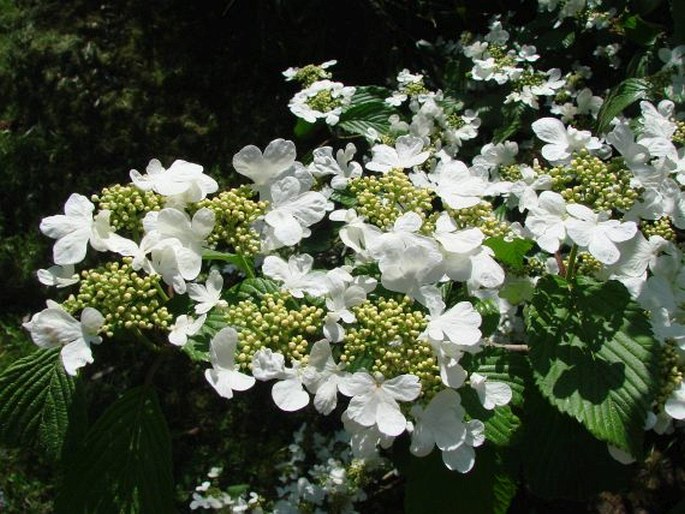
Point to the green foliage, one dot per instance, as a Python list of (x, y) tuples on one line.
[(124, 465), (430, 487), (563, 460), (593, 357), (620, 97), (38, 401), (243, 263), (511, 253), (367, 110)]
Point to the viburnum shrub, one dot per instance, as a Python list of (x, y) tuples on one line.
[(491, 273)]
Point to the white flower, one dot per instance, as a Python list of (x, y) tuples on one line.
[(183, 327), (322, 376), (224, 375), (442, 424), (54, 327), (209, 295), (562, 141), (288, 393), (406, 154), (264, 169), (342, 167), (356, 234), (458, 325), (176, 243), (76, 228), (675, 404), (546, 221), (490, 394), (183, 181), (296, 274), (374, 400), (292, 211), (492, 156), (290, 73), (343, 292), (597, 233), (457, 186), (588, 103), (324, 99), (59, 276)]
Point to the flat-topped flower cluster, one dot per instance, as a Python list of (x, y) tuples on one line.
[(379, 326)]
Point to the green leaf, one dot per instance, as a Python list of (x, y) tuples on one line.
[(501, 424), (490, 315), (303, 129), (431, 487), (244, 264), (344, 197), (625, 94), (197, 346), (37, 402), (124, 465), (367, 110), (511, 253), (593, 356), (641, 31), (500, 365), (561, 459), (511, 122), (252, 288)]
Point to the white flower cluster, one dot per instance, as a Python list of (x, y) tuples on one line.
[(390, 319), (335, 481)]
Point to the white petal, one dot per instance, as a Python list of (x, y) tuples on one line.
[(75, 355), (289, 395)]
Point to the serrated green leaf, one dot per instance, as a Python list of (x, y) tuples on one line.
[(431, 487), (510, 253), (367, 110), (625, 94), (36, 402), (252, 288), (561, 459), (593, 357), (500, 365), (124, 465), (501, 424)]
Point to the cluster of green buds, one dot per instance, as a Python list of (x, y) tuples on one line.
[(662, 227), (586, 264), (679, 134), (128, 206), (382, 199), (311, 73), (235, 213), (501, 56), (274, 321), (670, 372), (385, 339), (482, 216), (125, 298), (600, 185), (324, 101), (529, 78)]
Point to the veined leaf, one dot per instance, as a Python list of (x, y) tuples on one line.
[(124, 465), (367, 110), (626, 93), (37, 401), (498, 365), (593, 357)]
